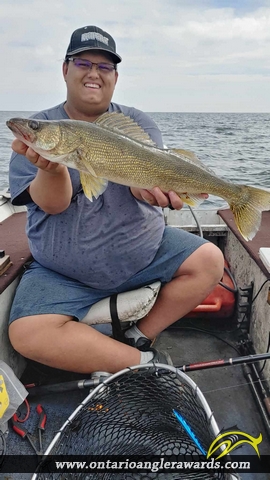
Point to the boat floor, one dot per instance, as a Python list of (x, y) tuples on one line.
[(225, 388)]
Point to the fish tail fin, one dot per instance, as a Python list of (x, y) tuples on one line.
[(248, 211)]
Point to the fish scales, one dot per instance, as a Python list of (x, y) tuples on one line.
[(124, 161)]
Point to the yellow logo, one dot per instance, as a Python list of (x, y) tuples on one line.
[(232, 440)]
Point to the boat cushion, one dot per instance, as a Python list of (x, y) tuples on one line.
[(131, 306)]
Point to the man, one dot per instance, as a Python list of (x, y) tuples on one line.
[(86, 251)]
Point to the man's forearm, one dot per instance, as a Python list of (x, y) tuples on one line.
[(52, 191)]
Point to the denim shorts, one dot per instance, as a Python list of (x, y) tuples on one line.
[(44, 291)]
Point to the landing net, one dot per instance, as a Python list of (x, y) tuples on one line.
[(132, 414)]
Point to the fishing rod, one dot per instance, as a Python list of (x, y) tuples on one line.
[(38, 389), (264, 406), (224, 363)]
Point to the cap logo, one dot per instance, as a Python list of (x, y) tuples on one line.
[(94, 36)]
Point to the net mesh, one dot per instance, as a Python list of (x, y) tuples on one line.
[(133, 415)]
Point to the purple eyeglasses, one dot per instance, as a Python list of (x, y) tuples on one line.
[(87, 65)]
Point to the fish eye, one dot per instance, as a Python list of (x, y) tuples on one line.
[(33, 124)]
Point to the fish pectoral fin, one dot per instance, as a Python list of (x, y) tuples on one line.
[(93, 186), (192, 200), (119, 123), (82, 162)]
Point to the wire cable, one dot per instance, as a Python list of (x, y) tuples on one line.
[(212, 334), (233, 290), (196, 220), (260, 289), (267, 350)]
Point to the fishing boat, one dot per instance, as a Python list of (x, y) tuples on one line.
[(221, 346)]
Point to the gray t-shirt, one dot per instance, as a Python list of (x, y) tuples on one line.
[(101, 243)]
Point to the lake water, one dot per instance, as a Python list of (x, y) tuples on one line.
[(235, 145)]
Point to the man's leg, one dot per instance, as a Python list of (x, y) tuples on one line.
[(192, 283), (60, 342), (42, 326)]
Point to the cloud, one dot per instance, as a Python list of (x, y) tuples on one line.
[(175, 53)]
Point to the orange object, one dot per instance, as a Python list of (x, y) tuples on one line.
[(220, 303)]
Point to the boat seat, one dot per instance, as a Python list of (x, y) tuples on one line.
[(14, 242), (127, 306)]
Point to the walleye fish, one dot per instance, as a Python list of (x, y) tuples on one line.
[(115, 148)]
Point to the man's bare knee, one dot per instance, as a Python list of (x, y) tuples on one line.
[(213, 261), (27, 334), (207, 261)]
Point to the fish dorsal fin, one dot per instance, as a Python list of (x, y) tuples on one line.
[(191, 157), (120, 123), (187, 154)]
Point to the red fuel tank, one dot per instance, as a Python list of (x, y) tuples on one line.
[(220, 303)]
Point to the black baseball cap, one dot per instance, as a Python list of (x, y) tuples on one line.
[(92, 38)]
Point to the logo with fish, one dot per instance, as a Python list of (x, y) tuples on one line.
[(225, 441), (231, 440)]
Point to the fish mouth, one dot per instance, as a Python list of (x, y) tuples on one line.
[(20, 131)]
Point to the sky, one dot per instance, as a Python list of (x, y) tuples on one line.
[(178, 55)]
